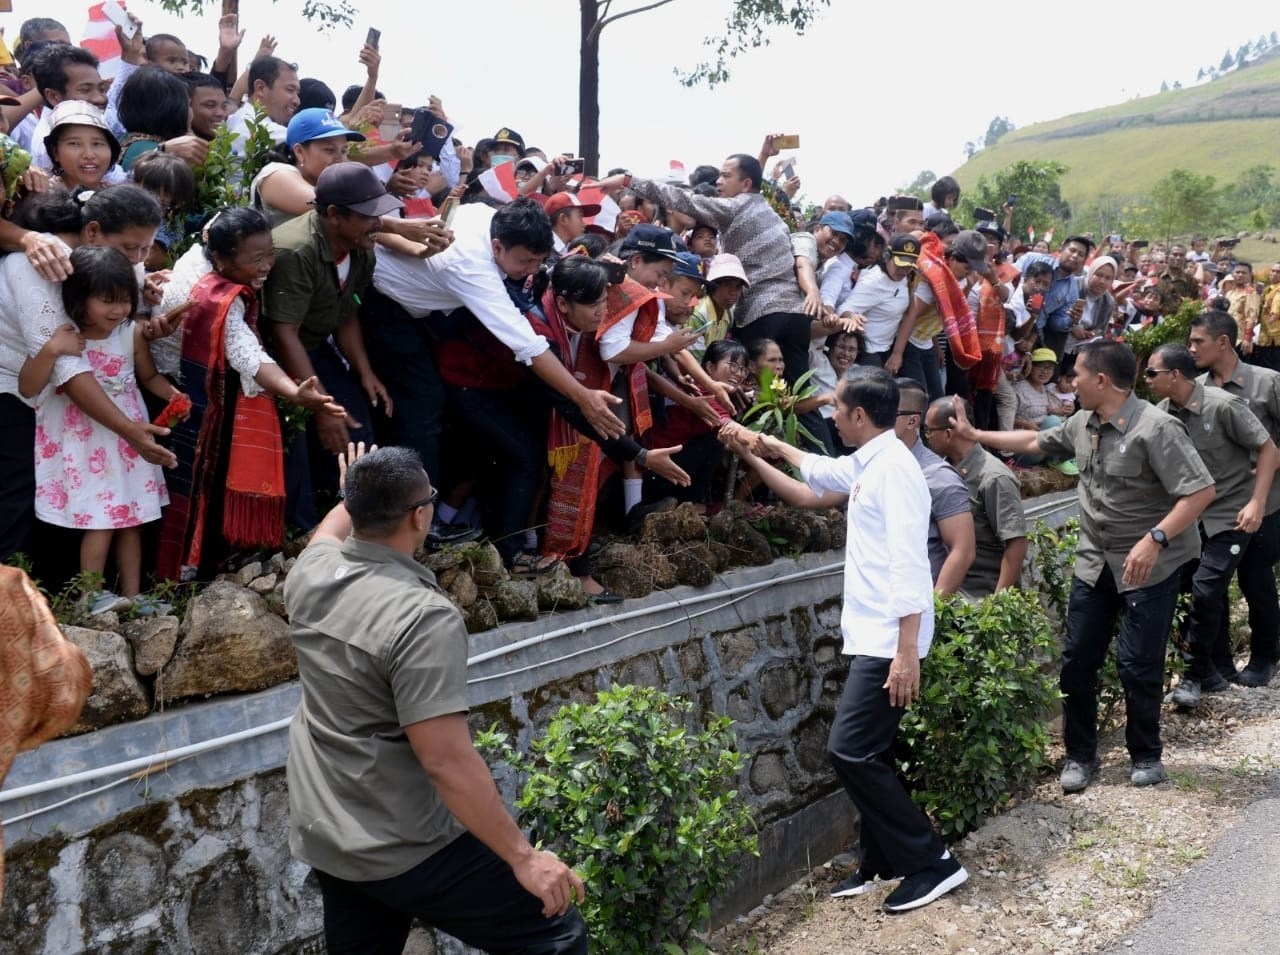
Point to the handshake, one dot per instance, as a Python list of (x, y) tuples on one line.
[(746, 443)]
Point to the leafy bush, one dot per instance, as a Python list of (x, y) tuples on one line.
[(977, 735), (642, 803)]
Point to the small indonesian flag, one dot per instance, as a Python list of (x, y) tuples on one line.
[(1031, 233), (607, 217), (100, 40), (500, 182), (1048, 236), (676, 174)]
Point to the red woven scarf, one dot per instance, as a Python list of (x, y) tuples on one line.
[(952, 305)]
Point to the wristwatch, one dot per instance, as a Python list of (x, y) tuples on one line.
[(1159, 536)]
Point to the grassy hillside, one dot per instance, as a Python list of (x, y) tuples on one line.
[(1220, 128)]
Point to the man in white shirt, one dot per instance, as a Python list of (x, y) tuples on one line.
[(490, 249), (273, 85), (887, 624)]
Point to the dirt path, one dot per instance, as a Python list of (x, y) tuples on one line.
[(1056, 873)]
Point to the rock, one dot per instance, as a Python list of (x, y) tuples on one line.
[(462, 588), (246, 574), (792, 526), (721, 525), (559, 590), (747, 546), (621, 568), (441, 560), (693, 563), (231, 642), (1045, 480), (445, 578), (263, 585), (153, 641), (116, 695), (276, 564), (288, 564), (683, 523), (838, 526), (481, 616), (660, 570), (819, 531), (103, 621), (484, 562), (721, 554), (514, 599)]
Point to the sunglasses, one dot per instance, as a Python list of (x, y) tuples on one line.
[(1151, 373), (426, 501)]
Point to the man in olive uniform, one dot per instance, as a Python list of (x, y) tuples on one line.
[(1212, 342), (995, 497), (1228, 437), (1178, 285), (1266, 352), (1142, 489)]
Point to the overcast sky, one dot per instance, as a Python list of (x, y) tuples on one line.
[(877, 92)]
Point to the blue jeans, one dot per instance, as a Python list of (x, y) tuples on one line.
[(1145, 616)]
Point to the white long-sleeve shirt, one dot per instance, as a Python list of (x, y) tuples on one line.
[(462, 276), (886, 567)]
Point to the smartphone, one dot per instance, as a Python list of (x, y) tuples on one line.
[(1012, 200), (699, 329), (572, 167), (390, 128), (447, 210), (1139, 243), (788, 171), (790, 141), (373, 38), (117, 15)]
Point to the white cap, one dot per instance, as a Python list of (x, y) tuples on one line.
[(726, 266)]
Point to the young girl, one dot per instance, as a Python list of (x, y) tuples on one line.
[(86, 476)]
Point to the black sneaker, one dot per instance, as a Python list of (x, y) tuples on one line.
[(859, 883), (1187, 693), (1215, 682), (442, 534), (927, 885), (1257, 673)]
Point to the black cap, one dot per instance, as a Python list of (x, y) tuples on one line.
[(651, 239), (904, 250), (354, 186), (508, 135), (897, 203)]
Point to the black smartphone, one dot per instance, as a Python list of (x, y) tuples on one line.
[(1012, 200), (571, 168), (374, 37), (1139, 243)]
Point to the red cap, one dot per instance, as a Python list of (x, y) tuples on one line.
[(567, 200)]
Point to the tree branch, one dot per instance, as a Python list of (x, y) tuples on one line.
[(601, 24)]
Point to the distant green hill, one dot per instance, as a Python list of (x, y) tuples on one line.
[(1220, 128)]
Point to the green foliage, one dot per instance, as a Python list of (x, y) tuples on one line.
[(920, 186), (996, 130), (1182, 202), (1174, 328), (978, 734), (747, 29), (70, 605), (325, 15), (223, 179), (774, 411), (1052, 557), (1040, 204), (642, 802)]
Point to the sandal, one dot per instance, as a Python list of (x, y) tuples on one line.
[(527, 564)]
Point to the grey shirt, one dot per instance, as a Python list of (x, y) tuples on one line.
[(1227, 435), (995, 497), (947, 496), (1261, 388), (1133, 469), (751, 230), (379, 648)]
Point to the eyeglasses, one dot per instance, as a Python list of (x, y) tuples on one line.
[(908, 414), (426, 501), (926, 430), (1151, 373)]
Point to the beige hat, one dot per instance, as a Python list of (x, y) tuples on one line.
[(726, 266), (76, 112)]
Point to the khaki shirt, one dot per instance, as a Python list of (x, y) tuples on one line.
[(1133, 469), (1181, 287), (1261, 388), (303, 288), (1227, 435), (379, 648), (995, 497)]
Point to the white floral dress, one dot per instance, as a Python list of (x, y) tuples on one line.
[(87, 476)]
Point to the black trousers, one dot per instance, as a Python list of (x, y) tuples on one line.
[(897, 837), (1208, 580), (1257, 577), (464, 890), (1145, 615), (17, 474)]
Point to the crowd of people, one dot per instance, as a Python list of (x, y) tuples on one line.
[(179, 385)]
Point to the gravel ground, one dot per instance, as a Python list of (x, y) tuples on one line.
[(1055, 873)]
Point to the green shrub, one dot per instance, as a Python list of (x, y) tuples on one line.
[(642, 803), (977, 735)]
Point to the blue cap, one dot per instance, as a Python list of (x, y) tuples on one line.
[(688, 265), (652, 239), (840, 222), (308, 125)]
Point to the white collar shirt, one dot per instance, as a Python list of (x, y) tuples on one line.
[(886, 568)]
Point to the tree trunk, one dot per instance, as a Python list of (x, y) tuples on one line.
[(589, 88), (230, 7)]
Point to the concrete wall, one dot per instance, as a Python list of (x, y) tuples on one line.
[(169, 834)]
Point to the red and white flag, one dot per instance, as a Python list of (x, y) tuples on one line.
[(500, 182), (1031, 234), (607, 217), (100, 40), (1048, 236), (676, 174)]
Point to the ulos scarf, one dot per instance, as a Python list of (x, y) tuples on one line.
[(952, 305)]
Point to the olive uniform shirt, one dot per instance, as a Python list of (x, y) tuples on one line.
[(379, 648), (1133, 469), (303, 287), (995, 497), (1260, 387), (1178, 289), (947, 496), (1227, 435)]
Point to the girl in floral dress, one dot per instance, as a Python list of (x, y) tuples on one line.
[(87, 476)]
